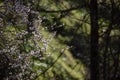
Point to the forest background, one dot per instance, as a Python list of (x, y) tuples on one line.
[(59, 40)]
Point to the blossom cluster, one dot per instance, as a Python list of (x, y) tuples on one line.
[(22, 49)]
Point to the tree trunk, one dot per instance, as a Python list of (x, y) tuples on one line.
[(94, 66)]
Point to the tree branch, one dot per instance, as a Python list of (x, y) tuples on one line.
[(51, 64), (59, 11)]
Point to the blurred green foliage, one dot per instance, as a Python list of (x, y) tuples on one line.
[(67, 54)]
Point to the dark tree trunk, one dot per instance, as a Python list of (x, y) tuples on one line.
[(94, 66)]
